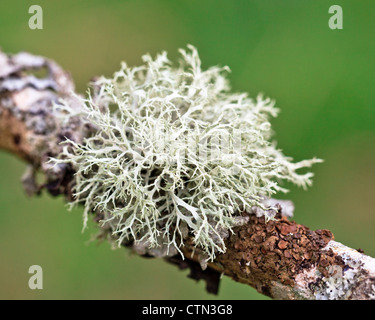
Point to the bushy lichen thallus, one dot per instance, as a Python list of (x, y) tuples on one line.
[(176, 154)]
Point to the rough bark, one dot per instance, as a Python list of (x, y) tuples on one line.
[(281, 259)]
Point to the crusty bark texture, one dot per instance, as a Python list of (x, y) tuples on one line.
[(280, 258)]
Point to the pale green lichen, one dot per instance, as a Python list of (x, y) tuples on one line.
[(176, 153)]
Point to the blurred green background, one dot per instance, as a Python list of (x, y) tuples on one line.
[(322, 80)]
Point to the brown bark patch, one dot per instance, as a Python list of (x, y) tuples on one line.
[(261, 252)]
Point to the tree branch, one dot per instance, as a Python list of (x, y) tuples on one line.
[(281, 259)]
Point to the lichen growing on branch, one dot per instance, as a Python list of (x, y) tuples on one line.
[(176, 153)]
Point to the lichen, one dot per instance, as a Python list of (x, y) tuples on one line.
[(176, 154), (341, 282)]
